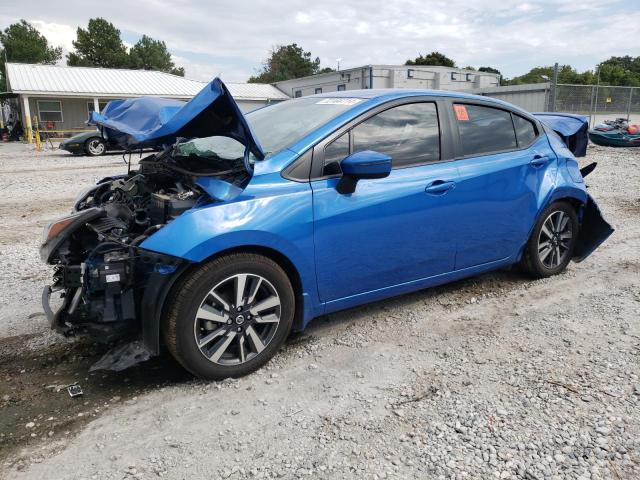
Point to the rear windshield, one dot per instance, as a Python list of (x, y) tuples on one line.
[(275, 127)]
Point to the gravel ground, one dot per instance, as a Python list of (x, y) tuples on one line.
[(496, 376)]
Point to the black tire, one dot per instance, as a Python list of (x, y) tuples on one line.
[(95, 146), (180, 324), (532, 260)]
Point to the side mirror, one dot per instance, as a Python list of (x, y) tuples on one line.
[(362, 165)]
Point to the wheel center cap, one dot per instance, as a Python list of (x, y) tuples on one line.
[(240, 319)]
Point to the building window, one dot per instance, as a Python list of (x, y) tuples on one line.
[(342, 87), (298, 94), (410, 73), (469, 77), (50, 110), (318, 90), (101, 106)]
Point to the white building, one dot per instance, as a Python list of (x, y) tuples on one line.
[(390, 76), (62, 97)]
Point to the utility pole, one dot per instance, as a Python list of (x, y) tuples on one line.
[(555, 87), (595, 104)]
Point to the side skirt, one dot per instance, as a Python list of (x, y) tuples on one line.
[(414, 285)]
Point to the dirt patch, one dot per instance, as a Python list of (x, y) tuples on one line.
[(35, 405)]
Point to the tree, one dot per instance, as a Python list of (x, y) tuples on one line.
[(286, 62), (490, 70), (21, 42), (99, 46), (150, 54), (623, 71), (566, 74), (434, 59)]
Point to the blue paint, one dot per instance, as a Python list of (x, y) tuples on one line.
[(417, 227)]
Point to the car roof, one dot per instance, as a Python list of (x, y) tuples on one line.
[(381, 94)]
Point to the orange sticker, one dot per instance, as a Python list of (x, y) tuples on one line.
[(461, 113)]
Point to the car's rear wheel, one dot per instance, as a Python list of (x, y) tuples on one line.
[(229, 317), (552, 243), (95, 147)]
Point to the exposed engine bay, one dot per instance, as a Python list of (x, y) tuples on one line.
[(100, 272)]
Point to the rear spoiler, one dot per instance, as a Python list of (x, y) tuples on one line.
[(573, 129)]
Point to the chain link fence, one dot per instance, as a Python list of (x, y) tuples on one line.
[(598, 102)]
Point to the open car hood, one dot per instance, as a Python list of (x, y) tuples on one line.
[(157, 122), (573, 129)]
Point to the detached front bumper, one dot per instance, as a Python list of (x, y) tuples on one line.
[(52, 317)]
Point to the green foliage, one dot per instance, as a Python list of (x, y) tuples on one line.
[(286, 62), (434, 59), (566, 74), (489, 70), (99, 46), (22, 43), (150, 54), (620, 71)]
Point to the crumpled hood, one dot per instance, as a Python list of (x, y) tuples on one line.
[(572, 128), (156, 122)]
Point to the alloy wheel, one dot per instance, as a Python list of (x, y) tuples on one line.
[(96, 147), (554, 239), (237, 319)]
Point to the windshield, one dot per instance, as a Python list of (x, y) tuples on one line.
[(275, 127)]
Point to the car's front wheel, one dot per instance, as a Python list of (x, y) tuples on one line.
[(95, 147), (230, 316), (552, 243)]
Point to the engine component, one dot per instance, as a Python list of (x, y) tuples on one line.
[(164, 207)]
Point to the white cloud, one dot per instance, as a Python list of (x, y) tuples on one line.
[(303, 18), (234, 38), (58, 34)]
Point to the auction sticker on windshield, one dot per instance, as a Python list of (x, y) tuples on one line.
[(338, 101)]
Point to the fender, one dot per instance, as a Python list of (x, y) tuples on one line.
[(561, 191), (250, 221)]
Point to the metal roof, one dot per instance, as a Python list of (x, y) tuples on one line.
[(255, 91), (55, 80)]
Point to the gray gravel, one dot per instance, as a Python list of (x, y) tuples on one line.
[(492, 377), (36, 187)]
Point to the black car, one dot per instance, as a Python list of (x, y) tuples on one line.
[(87, 143)]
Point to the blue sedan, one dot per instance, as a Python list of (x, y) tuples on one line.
[(244, 228)]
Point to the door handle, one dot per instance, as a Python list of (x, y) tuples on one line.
[(539, 160), (439, 187)]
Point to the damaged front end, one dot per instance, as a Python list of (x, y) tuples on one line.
[(106, 285), (109, 286)]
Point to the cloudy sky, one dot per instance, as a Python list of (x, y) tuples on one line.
[(231, 38)]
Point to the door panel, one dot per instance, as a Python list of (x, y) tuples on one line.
[(499, 199), (387, 232)]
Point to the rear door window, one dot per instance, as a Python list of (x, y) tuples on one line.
[(525, 131), (484, 129)]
